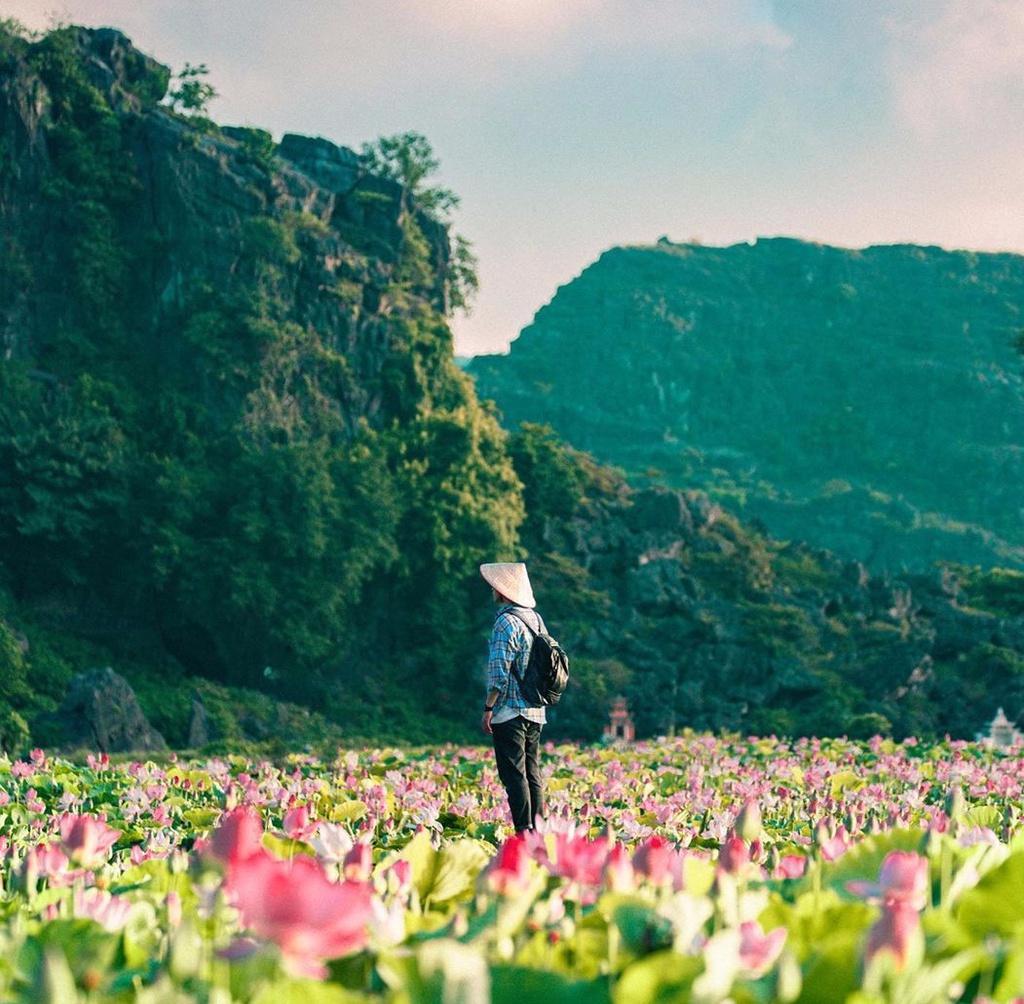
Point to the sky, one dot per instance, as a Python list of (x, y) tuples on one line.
[(568, 127)]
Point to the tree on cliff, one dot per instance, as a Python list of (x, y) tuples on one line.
[(409, 159), (191, 92)]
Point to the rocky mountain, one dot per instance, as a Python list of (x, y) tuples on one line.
[(233, 438), (240, 466), (868, 401), (705, 624), (118, 211)]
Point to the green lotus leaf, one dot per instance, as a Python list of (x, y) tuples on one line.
[(516, 985), (988, 816), (993, 905), (1011, 977), (659, 978), (141, 936), (85, 947), (349, 810), (153, 874), (443, 875), (642, 929), (864, 859), (832, 970), (291, 991), (845, 780), (202, 818), (814, 918), (286, 847)]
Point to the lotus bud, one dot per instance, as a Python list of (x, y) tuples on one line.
[(174, 913), (358, 863), (748, 822), (822, 833), (734, 856)]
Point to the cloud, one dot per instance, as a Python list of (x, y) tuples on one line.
[(960, 72), (538, 24), (510, 25)]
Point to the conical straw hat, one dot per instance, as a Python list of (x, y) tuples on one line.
[(510, 579)]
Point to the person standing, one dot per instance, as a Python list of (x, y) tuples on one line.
[(512, 723)]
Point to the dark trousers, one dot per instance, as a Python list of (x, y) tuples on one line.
[(517, 753)]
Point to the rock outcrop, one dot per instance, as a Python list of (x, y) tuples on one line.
[(724, 629), (185, 216), (101, 713)]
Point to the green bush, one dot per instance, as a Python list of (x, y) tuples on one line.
[(13, 684), (14, 732), (868, 725)]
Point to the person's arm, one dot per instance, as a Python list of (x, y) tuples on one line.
[(489, 701), (499, 664)]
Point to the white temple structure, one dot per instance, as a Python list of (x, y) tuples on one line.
[(1002, 734)]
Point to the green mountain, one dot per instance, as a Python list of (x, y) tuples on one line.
[(232, 432), (870, 402), (240, 466)]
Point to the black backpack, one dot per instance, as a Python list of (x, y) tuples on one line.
[(547, 669)]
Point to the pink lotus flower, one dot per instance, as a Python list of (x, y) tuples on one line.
[(293, 904), (902, 888), (509, 871), (358, 864), (399, 877), (86, 839), (239, 835), (579, 859), (758, 951), (654, 860), (331, 842), (45, 861), (107, 910), (618, 870), (902, 881), (835, 846), (790, 866), (297, 824)]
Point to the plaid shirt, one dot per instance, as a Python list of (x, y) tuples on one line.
[(510, 647)]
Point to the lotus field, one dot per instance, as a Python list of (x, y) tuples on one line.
[(694, 869)]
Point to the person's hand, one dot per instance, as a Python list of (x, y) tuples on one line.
[(485, 723)]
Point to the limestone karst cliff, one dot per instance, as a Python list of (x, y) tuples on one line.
[(118, 213), (230, 418), (869, 401)]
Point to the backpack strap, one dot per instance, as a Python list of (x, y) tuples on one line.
[(533, 634), (539, 629)]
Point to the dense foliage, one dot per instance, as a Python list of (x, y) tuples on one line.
[(236, 453), (212, 475), (702, 869), (703, 621)]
